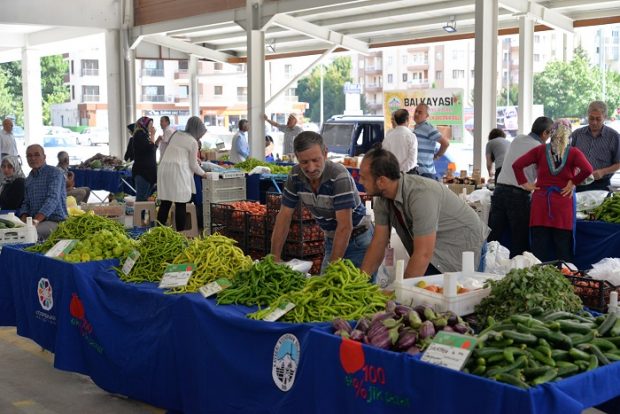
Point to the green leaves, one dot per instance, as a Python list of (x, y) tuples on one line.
[(525, 289)]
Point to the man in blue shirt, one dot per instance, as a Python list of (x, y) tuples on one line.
[(427, 136), (45, 198), (240, 150), (329, 192)]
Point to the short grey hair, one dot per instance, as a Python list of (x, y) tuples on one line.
[(598, 106), (307, 139)]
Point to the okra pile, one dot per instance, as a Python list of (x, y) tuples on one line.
[(261, 284), (530, 349)]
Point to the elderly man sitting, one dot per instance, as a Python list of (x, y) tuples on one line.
[(45, 197)]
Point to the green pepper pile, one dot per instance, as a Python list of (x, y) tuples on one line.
[(157, 247), (343, 291), (251, 163), (609, 210), (531, 349), (262, 284)]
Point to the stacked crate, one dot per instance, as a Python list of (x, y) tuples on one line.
[(305, 240), (247, 228), (230, 187)]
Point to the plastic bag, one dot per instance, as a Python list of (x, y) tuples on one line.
[(496, 258), (588, 200), (483, 195), (607, 269), (260, 170), (299, 265)]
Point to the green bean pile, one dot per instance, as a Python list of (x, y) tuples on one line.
[(157, 247), (78, 228), (214, 256), (343, 291), (262, 284)]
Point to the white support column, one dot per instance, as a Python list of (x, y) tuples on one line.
[(113, 84), (568, 47), (526, 73), (128, 91), (31, 92), (194, 88), (256, 79), (485, 77)]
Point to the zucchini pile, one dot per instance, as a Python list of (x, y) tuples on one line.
[(530, 349)]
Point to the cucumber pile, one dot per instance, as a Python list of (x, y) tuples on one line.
[(530, 349)]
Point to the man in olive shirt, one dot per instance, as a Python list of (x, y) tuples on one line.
[(434, 224)]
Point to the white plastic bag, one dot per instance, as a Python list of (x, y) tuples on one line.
[(588, 200), (496, 258), (299, 265), (607, 269), (260, 170)]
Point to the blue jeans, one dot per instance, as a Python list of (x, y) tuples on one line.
[(355, 250), (144, 189)]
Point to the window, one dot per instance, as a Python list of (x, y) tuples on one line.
[(90, 67), (404, 59), (242, 93), (153, 94), (291, 94), (183, 65), (438, 75), (153, 68), (90, 93), (458, 74), (218, 90), (73, 92), (72, 67), (536, 38), (218, 66), (288, 70), (404, 77), (240, 67), (183, 91), (472, 73), (390, 78), (536, 57), (390, 60)]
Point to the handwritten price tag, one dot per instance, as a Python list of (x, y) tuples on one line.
[(279, 312), (176, 275), (212, 288), (130, 262), (450, 350)]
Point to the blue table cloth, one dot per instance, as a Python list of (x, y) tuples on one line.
[(107, 180), (596, 240)]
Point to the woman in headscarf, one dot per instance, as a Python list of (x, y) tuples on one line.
[(144, 168), (13, 183), (175, 176), (129, 151), (560, 168)]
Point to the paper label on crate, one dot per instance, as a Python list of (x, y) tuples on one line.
[(279, 312), (212, 288), (450, 350), (132, 258), (176, 275), (61, 248)]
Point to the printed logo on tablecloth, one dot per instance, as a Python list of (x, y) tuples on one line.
[(45, 294), (367, 381), (285, 361), (78, 319)]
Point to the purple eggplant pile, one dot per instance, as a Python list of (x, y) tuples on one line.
[(401, 328)]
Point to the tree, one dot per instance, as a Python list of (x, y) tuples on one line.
[(7, 105), (566, 88), (334, 77), (512, 99)]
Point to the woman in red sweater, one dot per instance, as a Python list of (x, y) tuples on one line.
[(552, 218)]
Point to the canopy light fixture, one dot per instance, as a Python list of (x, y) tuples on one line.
[(450, 25)]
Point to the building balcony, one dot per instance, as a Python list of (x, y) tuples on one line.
[(374, 105), (90, 72), (157, 98), (152, 72), (291, 99), (90, 98), (416, 66), (373, 87), (417, 49), (374, 69), (418, 84), (181, 74), (181, 99)]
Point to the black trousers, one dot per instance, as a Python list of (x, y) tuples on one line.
[(602, 184), (179, 214), (510, 210), (550, 244)]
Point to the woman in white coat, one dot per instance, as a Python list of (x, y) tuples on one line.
[(175, 175)]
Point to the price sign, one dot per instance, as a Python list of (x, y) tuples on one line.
[(130, 262), (279, 312), (212, 288), (450, 350), (176, 275), (61, 248)]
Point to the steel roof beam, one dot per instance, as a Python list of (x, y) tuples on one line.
[(540, 14), (188, 48)]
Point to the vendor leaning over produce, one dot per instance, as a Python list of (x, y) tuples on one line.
[(434, 224), (45, 198), (329, 192)]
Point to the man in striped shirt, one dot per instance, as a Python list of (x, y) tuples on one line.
[(427, 136), (329, 192), (601, 146)]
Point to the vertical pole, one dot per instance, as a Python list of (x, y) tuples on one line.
[(256, 78), (194, 87), (31, 92), (526, 70)]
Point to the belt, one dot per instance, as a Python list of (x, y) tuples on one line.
[(358, 231)]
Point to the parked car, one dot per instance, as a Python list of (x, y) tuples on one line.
[(19, 134), (58, 131), (93, 136), (53, 144), (352, 135)]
